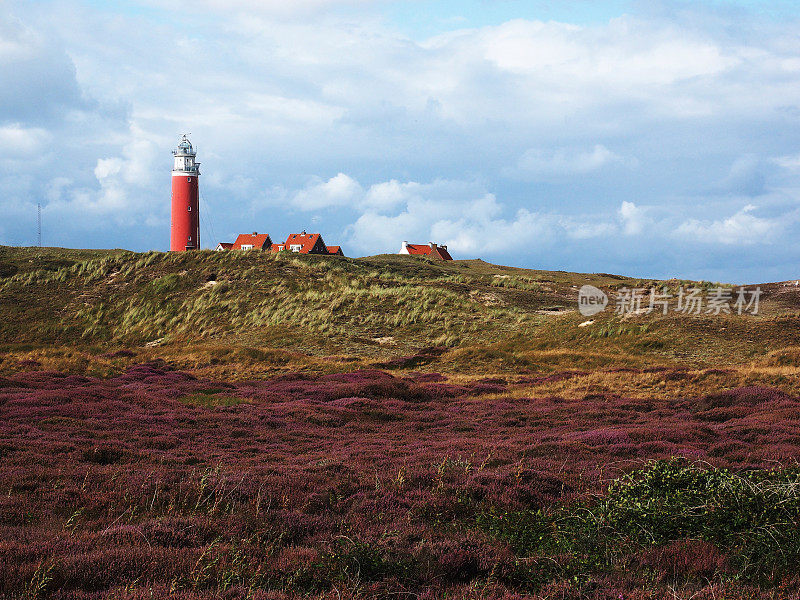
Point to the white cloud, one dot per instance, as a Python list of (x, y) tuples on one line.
[(389, 194), (107, 167), (633, 218), (122, 185), (630, 66), (791, 162), (743, 227), (17, 141), (472, 221), (55, 188), (270, 7), (340, 190), (745, 177), (37, 74), (588, 229), (477, 225), (474, 236), (626, 52), (459, 214), (543, 162)]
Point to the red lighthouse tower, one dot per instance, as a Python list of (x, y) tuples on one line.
[(185, 230)]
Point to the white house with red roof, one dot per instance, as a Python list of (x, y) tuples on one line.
[(252, 241), (302, 243), (307, 243), (429, 250)]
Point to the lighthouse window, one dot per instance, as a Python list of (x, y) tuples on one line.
[(190, 209), (188, 179)]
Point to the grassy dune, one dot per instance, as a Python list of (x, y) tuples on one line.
[(253, 314)]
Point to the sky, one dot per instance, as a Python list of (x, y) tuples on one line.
[(653, 139)]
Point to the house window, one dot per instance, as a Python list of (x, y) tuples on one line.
[(247, 246), (295, 247)]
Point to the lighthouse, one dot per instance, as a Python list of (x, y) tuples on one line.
[(185, 229)]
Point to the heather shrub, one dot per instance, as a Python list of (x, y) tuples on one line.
[(684, 559), (102, 456), (29, 364), (522, 488), (211, 399), (468, 558), (425, 377), (742, 397), (301, 569), (103, 568), (366, 483)]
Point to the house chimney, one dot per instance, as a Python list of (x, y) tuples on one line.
[(304, 232), (255, 233), (404, 246), (432, 245), (444, 247)]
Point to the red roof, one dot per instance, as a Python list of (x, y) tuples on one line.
[(442, 253), (276, 248), (429, 250), (335, 250), (225, 245), (419, 249), (257, 240), (307, 242)]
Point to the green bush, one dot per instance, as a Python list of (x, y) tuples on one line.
[(752, 516), (755, 515)]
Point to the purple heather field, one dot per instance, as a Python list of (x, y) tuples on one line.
[(156, 483)]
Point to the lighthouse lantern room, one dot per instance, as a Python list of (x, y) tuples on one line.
[(185, 229)]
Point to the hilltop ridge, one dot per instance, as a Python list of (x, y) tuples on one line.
[(319, 310)]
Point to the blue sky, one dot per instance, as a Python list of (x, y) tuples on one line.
[(647, 138)]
